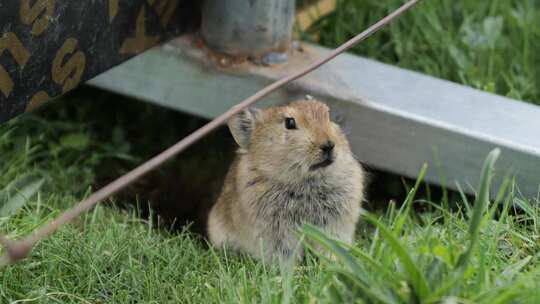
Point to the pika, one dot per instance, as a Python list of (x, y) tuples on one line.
[(293, 166)]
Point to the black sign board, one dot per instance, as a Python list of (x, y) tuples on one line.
[(48, 47)]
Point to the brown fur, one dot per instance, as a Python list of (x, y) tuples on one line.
[(274, 184)]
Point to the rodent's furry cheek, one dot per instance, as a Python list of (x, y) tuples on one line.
[(337, 133), (282, 162)]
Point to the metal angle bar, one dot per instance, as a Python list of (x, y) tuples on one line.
[(398, 119)]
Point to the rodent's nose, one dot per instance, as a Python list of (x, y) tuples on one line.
[(327, 147)]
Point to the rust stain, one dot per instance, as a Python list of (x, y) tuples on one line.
[(223, 61), (30, 14), (113, 9), (14, 46), (69, 74), (297, 54), (198, 42), (37, 100), (140, 42)]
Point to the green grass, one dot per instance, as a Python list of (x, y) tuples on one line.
[(489, 45), (481, 251)]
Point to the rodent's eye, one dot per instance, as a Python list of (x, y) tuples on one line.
[(290, 123)]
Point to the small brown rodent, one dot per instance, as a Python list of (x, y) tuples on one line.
[(294, 166)]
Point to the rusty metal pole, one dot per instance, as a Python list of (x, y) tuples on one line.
[(259, 29)]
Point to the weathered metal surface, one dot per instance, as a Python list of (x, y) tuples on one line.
[(48, 47), (397, 119), (248, 28)]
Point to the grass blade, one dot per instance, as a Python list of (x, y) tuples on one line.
[(510, 271), (404, 213), (366, 289), (416, 277), (334, 247), (18, 199), (480, 205)]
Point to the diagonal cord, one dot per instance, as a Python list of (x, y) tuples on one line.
[(18, 250)]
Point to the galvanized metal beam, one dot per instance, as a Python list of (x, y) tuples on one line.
[(398, 119)]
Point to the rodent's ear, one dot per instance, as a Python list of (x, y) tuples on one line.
[(242, 125)]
